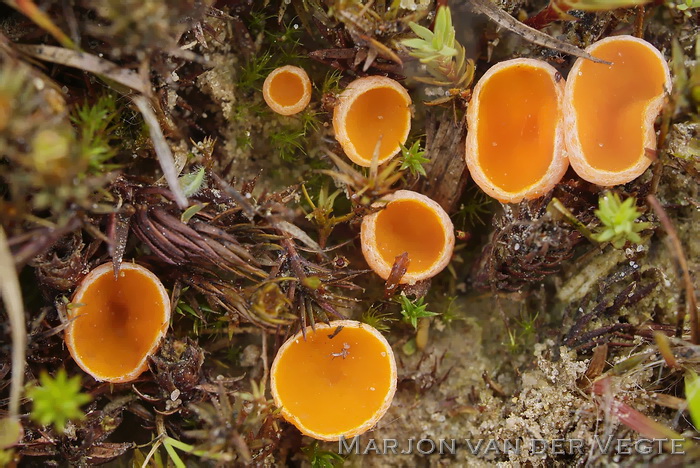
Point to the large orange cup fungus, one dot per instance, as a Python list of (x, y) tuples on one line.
[(515, 146), (610, 109), (373, 115), (117, 323), (338, 381), (409, 223), (287, 90)]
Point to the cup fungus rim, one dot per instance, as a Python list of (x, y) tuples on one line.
[(93, 275), (376, 416), (383, 268), (299, 105), (577, 159), (560, 161), (345, 101)]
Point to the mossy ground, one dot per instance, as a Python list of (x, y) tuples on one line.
[(524, 306)]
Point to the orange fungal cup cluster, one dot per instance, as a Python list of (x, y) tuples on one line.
[(526, 124)]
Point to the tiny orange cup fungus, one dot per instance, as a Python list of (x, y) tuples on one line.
[(413, 223), (117, 323), (337, 382), (287, 90), (373, 115), (610, 109), (515, 146)]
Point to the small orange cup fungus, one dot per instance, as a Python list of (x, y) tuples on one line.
[(373, 114), (412, 223), (515, 146), (338, 381), (610, 109), (119, 322), (287, 90)]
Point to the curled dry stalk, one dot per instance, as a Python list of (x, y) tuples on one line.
[(240, 253), (362, 35), (365, 189)]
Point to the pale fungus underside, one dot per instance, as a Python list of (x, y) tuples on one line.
[(357, 217)]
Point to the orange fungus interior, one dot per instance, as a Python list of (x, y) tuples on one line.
[(380, 113), (413, 227), (334, 385), (286, 88), (518, 115), (118, 323), (610, 102)]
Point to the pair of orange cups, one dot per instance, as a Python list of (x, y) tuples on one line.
[(526, 123)]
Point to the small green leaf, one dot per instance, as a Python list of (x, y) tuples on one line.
[(412, 311), (191, 211), (692, 396), (192, 183)]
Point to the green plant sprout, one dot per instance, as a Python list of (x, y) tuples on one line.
[(451, 312), (321, 212), (443, 56), (97, 125), (193, 182), (254, 71), (331, 83), (619, 221), (57, 400), (412, 311), (692, 396), (688, 4), (413, 159), (474, 210), (319, 458), (376, 319)]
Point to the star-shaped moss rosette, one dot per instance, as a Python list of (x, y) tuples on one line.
[(444, 57), (57, 400), (619, 221)]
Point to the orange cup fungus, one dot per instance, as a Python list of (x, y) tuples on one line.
[(287, 90), (515, 146), (118, 323), (338, 381), (412, 223), (610, 109), (373, 115)]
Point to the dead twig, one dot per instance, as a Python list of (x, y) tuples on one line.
[(12, 297), (506, 21), (162, 149), (89, 63)]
